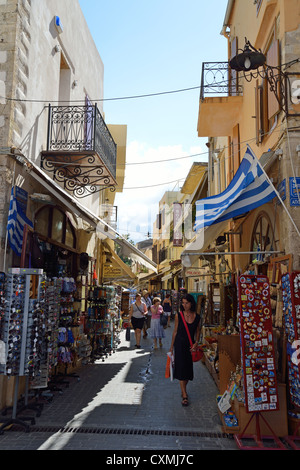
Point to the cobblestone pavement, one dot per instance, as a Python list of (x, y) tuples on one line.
[(126, 403)]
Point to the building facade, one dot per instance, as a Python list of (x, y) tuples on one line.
[(259, 108), (60, 168)]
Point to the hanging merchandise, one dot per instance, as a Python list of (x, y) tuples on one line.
[(51, 300), (258, 358), (101, 320), (23, 329), (291, 308)]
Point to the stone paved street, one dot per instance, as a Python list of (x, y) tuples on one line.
[(126, 403)]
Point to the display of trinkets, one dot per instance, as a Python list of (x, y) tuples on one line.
[(99, 324), (258, 359), (290, 283)]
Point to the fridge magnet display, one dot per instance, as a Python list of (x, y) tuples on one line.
[(258, 359), (290, 283)]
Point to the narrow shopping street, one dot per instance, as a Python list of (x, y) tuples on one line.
[(126, 403)]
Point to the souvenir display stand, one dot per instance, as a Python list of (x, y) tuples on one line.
[(213, 304), (175, 299), (290, 283), (101, 320), (127, 299), (258, 358), (23, 334)]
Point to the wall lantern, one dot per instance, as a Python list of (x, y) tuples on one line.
[(252, 63), (249, 59)]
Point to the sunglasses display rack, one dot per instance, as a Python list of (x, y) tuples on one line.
[(23, 329), (101, 313), (51, 297), (290, 283)]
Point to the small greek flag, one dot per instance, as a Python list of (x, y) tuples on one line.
[(248, 189), (15, 224)]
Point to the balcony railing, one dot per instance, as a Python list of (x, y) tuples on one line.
[(218, 79), (80, 149)]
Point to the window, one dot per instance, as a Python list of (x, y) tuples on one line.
[(52, 222), (266, 103), (57, 225)]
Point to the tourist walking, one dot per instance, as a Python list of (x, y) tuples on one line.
[(157, 330), (167, 307), (137, 315), (180, 344)]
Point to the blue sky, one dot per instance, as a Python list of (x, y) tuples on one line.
[(153, 47)]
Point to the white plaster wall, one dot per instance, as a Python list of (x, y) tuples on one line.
[(37, 71), (43, 64)]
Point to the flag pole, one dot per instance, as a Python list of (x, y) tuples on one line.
[(278, 195)]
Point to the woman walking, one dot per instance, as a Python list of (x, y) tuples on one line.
[(167, 306), (183, 364), (157, 330), (137, 315)]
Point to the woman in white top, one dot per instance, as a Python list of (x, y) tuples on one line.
[(137, 315)]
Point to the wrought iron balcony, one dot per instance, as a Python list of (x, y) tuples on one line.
[(218, 78), (81, 152)]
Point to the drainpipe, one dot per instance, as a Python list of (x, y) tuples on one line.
[(229, 9)]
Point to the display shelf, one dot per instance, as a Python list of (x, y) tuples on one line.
[(277, 419), (229, 357)]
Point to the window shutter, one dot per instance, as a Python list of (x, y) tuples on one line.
[(273, 61)]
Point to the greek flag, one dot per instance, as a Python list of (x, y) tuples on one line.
[(248, 189), (15, 224)]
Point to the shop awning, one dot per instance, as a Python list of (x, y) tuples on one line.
[(118, 270), (202, 240), (103, 230)]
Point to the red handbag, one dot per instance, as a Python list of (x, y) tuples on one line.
[(197, 354)]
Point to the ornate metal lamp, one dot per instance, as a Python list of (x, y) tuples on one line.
[(249, 59), (253, 63)]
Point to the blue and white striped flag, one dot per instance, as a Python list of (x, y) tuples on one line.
[(15, 224), (248, 189)]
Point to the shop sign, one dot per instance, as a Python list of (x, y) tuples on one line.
[(195, 272), (293, 96), (224, 403), (294, 191), (112, 271)]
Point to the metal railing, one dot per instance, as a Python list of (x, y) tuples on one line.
[(218, 78), (75, 128)]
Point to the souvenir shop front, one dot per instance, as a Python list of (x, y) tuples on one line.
[(247, 336), (55, 313), (250, 339)]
